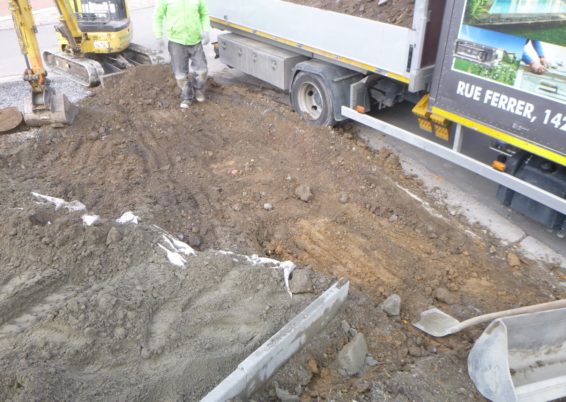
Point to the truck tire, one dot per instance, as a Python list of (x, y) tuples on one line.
[(312, 98)]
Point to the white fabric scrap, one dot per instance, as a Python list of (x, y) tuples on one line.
[(179, 246), (59, 203), (89, 220), (286, 266), (174, 257), (128, 217)]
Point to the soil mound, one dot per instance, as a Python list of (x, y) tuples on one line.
[(110, 314), (99, 313)]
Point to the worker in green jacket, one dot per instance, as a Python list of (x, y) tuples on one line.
[(188, 29)]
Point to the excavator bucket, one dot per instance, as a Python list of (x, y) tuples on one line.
[(49, 108), (10, 118), (521, 358)]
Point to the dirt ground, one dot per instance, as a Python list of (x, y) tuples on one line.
[(98, 312), (397, 12)]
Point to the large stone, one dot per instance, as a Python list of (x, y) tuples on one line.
[(285, 396), (301, 282), (445, 296), (114, 236), (352, 357), (513, 260), (304, 193), (392, 305)]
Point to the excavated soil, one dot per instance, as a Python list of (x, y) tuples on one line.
[(99, 313), (397, 12)]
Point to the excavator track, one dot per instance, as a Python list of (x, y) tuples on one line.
[(80, 69), (90, 70)]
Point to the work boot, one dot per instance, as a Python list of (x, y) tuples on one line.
[(199, 96), (185, 104)]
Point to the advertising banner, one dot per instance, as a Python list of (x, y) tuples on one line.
[(504, 66)]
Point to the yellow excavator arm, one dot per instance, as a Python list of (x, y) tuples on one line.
[(44, 106), (26, 30), (69, 27)]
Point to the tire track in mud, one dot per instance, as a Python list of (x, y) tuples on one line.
[(26, 298), (145, 138)]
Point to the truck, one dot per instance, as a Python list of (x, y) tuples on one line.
[(462, 67)]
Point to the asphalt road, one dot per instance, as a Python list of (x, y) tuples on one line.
[(12, 63), (468, 193)]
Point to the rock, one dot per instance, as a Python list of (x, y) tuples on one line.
[(513, 260), (301, 282), (89, 332), (267, 206), (392, 305), (352, 332), (445, 296), (145, 354), (114, 236), (343, 198), (345, 326), (415, 351), (362, 387), (313, 366), (393, 218), (73, 306), (119, 333), (285, 396), (370, 361), (352, 357), (93, 136), (194, 240), (304, 193)]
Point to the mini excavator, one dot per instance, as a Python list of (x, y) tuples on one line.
[(94, 38)]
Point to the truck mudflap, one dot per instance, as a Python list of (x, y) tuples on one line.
[(542, 173)]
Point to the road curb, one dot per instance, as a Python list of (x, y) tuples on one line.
[(258, 367)]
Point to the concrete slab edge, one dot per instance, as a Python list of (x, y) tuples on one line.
[(258, 367)]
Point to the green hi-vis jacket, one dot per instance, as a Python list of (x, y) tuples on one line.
[(185, 19)]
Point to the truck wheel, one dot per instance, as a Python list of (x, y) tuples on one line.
[(312, 99)]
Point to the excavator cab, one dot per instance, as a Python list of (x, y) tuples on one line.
[(106, 24)]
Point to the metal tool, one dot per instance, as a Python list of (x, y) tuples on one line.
[(521, 358), (437, 323)]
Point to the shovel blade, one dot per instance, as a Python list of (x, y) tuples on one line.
[(436, 323), (53, 109)]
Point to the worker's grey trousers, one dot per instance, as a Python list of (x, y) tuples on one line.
[(181, 56)]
